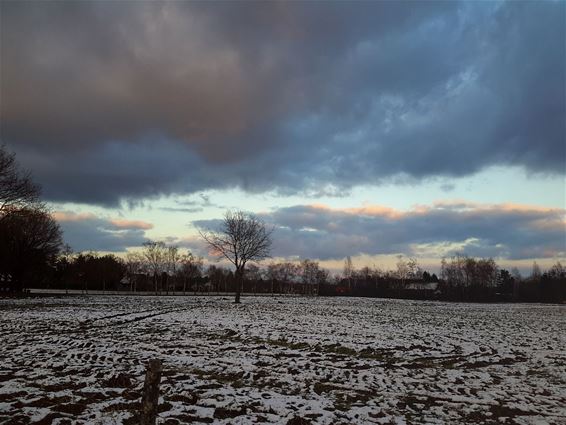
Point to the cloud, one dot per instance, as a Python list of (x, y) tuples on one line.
[(444, 228), (136, 100), (502, 230), (183, 210), (193, 205), (87, 232), (66, 216), (131, 224)]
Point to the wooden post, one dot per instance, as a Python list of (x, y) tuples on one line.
[(150, 396)]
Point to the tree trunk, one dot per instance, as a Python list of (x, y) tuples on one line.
[(239, 282)]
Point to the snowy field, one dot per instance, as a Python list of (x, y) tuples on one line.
[(273, 360)]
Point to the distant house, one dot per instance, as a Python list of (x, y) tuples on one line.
[(420, 289), (421, 286)]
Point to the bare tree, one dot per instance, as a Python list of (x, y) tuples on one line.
[(403, 270), (191, 268), (272, 274), (286, 274), (253, 274), (467, 274), (321, 278), (348, 271), (134, 266), (312, 275), (154, 254), (415, 271), (242, 238), (172, 260), (17, 191)]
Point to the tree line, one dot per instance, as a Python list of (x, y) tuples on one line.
[(461, 278), (157, 268), (166, 269)]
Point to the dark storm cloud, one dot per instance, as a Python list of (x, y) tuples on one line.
[(87, 232), (507, 231), (149, 169), (110, 101)]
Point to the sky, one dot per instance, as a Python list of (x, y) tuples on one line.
[(363, 129)]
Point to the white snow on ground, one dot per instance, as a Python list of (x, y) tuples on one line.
[(81, 359)]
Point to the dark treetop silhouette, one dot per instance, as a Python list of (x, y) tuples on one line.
[(16, 188)]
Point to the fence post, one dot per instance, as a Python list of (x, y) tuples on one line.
[(150, 396)]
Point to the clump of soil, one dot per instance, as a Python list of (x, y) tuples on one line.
[(122, 380)]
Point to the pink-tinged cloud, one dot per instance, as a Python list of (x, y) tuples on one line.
[(88, 232), (131, 224), (554, 217), (119, 223), (366, 210), (67, 216)]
